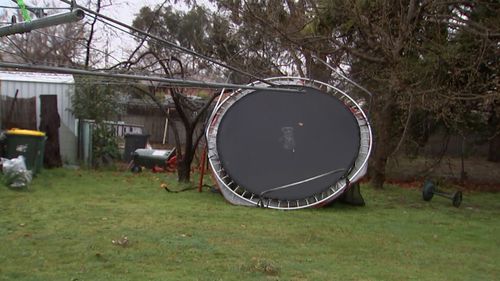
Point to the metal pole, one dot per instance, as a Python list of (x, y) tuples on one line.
[(170, 81), (56, 19), (165, 129), (202, 170)]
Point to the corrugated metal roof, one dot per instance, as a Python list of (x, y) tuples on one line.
[(36, 77)]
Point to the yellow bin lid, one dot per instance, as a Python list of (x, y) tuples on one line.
[(23, 132)]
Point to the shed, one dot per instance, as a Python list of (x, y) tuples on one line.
[(30, 86)]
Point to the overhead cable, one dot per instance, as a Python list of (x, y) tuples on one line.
[(168, 81), (37, 8), (168, 43), (79, 43)]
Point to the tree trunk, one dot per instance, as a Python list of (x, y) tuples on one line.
[(184, 164), (494, 143), (384, 143), (494, 149), (91, 35), (183, 170), (381, 149)]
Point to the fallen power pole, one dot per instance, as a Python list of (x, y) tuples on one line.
[(22, 27), (167, 81)]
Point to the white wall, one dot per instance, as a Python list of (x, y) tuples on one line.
[(36, 84)]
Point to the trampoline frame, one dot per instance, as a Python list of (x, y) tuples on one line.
[(240, 196)]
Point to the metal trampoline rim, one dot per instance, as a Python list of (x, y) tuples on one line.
[(324, 200), (290, 79)]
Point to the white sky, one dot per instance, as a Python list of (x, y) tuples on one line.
[(122, 10), (125, 11)]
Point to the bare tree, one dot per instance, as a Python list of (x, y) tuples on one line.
[(191, 114), (58, 45)]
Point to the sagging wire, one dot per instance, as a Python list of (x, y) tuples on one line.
[(77, 42), (178, 191), (370, 95), (23, 54), (168, 43), (40, 8), (169, 81), (261, 204)]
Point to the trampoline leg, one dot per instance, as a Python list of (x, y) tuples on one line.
[(352, 196), (202, 170)]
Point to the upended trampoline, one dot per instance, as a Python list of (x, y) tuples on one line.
[(287, 149)]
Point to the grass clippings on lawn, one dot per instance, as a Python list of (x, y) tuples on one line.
[(91, 225)]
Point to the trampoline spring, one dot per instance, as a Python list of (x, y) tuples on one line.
[(297, 203), (237, 187), (243, 194), (288, 203), (252, 196), (316, 198)]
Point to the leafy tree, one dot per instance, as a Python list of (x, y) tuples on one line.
[(406, 52), (99, 102)]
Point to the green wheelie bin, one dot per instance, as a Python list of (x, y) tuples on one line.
[(28, 143)]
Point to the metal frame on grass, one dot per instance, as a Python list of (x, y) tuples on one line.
[(239, 195)]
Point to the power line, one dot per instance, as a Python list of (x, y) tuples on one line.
[(168, 43), (169, 81), (40, 8), (23, 53), (116, 27), (77, 42)]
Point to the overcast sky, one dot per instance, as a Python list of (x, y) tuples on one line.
[(122, 10)]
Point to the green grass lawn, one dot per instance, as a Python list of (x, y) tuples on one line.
[(63, 228)]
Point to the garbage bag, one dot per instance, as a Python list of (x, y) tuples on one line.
[(15, 172)]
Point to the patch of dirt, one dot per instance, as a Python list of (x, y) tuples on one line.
[(477, 174)]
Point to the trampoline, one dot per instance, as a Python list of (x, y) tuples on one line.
[(287, 150)]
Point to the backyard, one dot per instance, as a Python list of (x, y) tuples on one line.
[(115, 225)]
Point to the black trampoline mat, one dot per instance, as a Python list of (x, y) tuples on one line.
[(269, 139)]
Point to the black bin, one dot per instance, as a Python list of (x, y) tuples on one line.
[(28, 143), (133, 142)]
